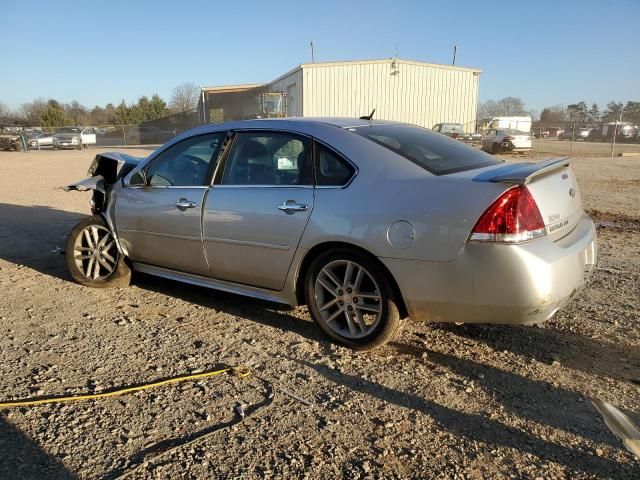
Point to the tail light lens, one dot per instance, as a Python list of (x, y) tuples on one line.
[(513, 217)]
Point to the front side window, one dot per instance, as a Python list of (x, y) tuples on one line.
[(269, 158), (435, 153), (186, 164)]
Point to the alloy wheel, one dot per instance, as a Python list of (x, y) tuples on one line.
[(348, 298), (95, 252)]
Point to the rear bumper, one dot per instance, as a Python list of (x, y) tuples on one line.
[(494, 283)]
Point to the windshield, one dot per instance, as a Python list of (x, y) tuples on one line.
[(435, 153), (452, 128), (68, 130)]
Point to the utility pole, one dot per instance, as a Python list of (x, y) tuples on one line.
[(615, 133), (313, 55), (455, 50)]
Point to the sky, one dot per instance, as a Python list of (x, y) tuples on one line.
[(545, 52)]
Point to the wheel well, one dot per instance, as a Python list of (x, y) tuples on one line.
[(323, 247)]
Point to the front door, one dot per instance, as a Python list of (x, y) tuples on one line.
[(254, 219), (159, 222), (88, 136)]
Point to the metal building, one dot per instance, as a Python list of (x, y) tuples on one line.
[(401, 90)]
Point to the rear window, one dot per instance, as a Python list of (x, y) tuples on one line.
[(435, 153)]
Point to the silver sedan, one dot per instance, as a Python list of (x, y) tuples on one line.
[(366, 222)]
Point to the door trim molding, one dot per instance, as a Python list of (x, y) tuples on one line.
[(248, 243)]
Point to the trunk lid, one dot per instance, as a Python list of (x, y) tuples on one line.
[(553, 186)]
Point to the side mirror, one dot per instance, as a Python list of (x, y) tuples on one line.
[(138, 179)]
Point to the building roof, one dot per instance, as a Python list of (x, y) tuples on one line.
[(232, 88), (247, 86)]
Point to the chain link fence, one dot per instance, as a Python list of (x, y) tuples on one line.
[(602, 139)]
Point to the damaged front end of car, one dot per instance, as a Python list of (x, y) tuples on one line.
[(106, 171)]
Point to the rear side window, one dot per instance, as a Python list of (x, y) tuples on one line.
[(435, 153), (332, 170)]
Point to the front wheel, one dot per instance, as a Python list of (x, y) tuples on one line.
[(351, 300), (496, 148), (92, 256)]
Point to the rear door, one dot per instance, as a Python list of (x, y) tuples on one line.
[(258, 208), (160, 222)]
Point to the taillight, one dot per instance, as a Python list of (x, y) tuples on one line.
[(513, 217)]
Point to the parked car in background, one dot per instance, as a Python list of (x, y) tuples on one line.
[(625, 132), (497, 140), (541, 133), (554, 132), (11, 138), (40, 139), (282, 210), (74, 137), (456, 130), (581, 133)]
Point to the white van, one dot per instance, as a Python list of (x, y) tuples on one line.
[(521, 124)]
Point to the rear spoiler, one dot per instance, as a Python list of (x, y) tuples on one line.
[(523, 173)]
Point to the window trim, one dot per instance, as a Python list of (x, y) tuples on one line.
[(208, 177)]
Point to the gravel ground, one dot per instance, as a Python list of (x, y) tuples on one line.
[(442, 401)]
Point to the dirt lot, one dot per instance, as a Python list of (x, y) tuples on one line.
[(443, 401)]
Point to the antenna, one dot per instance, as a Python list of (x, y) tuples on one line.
[(455, 50), (368, 117), (313, 55)]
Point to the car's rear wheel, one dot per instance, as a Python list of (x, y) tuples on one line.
[(92, 256), (351, 299)]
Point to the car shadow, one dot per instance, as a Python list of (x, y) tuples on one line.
[(36, 236), (266, 313), (561, 408), (477, 427), (546, 345), (22, 459)]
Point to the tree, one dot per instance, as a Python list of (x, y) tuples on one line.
[(613, 111), (185, 97), (32, 112), (512, 106), (78, 113), (554, 114), (158, 107), (121, 114), (54, 116), (632, 112), (5, 114), (508, 106), (577, 112), (594, 113)]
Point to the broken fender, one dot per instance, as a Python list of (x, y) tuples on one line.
[(90, 183)]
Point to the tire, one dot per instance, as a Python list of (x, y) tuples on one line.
[(117, 275), (79, 147), (496, 148), (380, 315)]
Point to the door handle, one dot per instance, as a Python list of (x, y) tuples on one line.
[(183, 204), (291, 206)]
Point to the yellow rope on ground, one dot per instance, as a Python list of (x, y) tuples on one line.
[(240, 372)]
